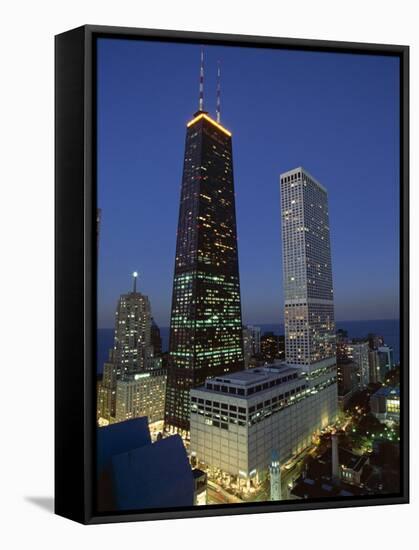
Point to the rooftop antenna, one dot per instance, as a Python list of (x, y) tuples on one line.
[(218, 108), (134, 276), (201, 82)]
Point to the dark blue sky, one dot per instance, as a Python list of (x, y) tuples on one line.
[(336, 115)]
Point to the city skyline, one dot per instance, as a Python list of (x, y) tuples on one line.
[(261, 283), (240, 406)]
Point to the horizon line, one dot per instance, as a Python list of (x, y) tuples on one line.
[(282, 322)]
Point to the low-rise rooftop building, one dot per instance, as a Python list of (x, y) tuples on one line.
[(239, 418)]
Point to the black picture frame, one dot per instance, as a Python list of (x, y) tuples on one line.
[(75, 270)]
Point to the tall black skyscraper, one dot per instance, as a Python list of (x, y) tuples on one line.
[(206, 327)]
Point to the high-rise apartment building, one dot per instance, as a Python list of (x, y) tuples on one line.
[(358, 353), (132, 351), (386, 361), (308, 286), (206, 336), (374, 366)]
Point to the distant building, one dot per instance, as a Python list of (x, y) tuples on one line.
[(132, 352), (141, 394), (270, 347), (155, 338), (348, 383), (374, 367), (247, 347), (375, 341), (385, 404), (252, 346), (352, 466), (254, 333), (342, 342), (358, 353), (239, 418), (386, 361)]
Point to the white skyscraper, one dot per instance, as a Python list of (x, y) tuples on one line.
[(308, 286)]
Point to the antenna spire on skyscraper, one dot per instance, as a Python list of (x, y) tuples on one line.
[(201, 82), (134, 276), (218, 108)]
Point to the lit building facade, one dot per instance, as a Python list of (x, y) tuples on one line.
[(374, 366), (238, 419), (385, 360), (206, 337), (141, 394), (385, 404), (270, 347), (132, 351), (348, 381), (308, 286), (358, 353)]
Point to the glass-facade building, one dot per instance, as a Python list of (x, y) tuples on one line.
[(206, 326), (307, 270)]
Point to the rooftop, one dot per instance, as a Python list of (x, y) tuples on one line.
[(324, 488), (145, 478), (204, 116), (256, 376), (306, 173), (247, 382), (387, 391), (120, 438)]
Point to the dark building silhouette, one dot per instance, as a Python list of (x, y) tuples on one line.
[(272, 347), (133, 473), (206, 326), (375, 341), (156, 338), (342, 342)]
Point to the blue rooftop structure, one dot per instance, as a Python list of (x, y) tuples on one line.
[(388, 391), (119, 438), (153, 476)]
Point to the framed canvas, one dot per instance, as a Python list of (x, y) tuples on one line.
[(231, 274)]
